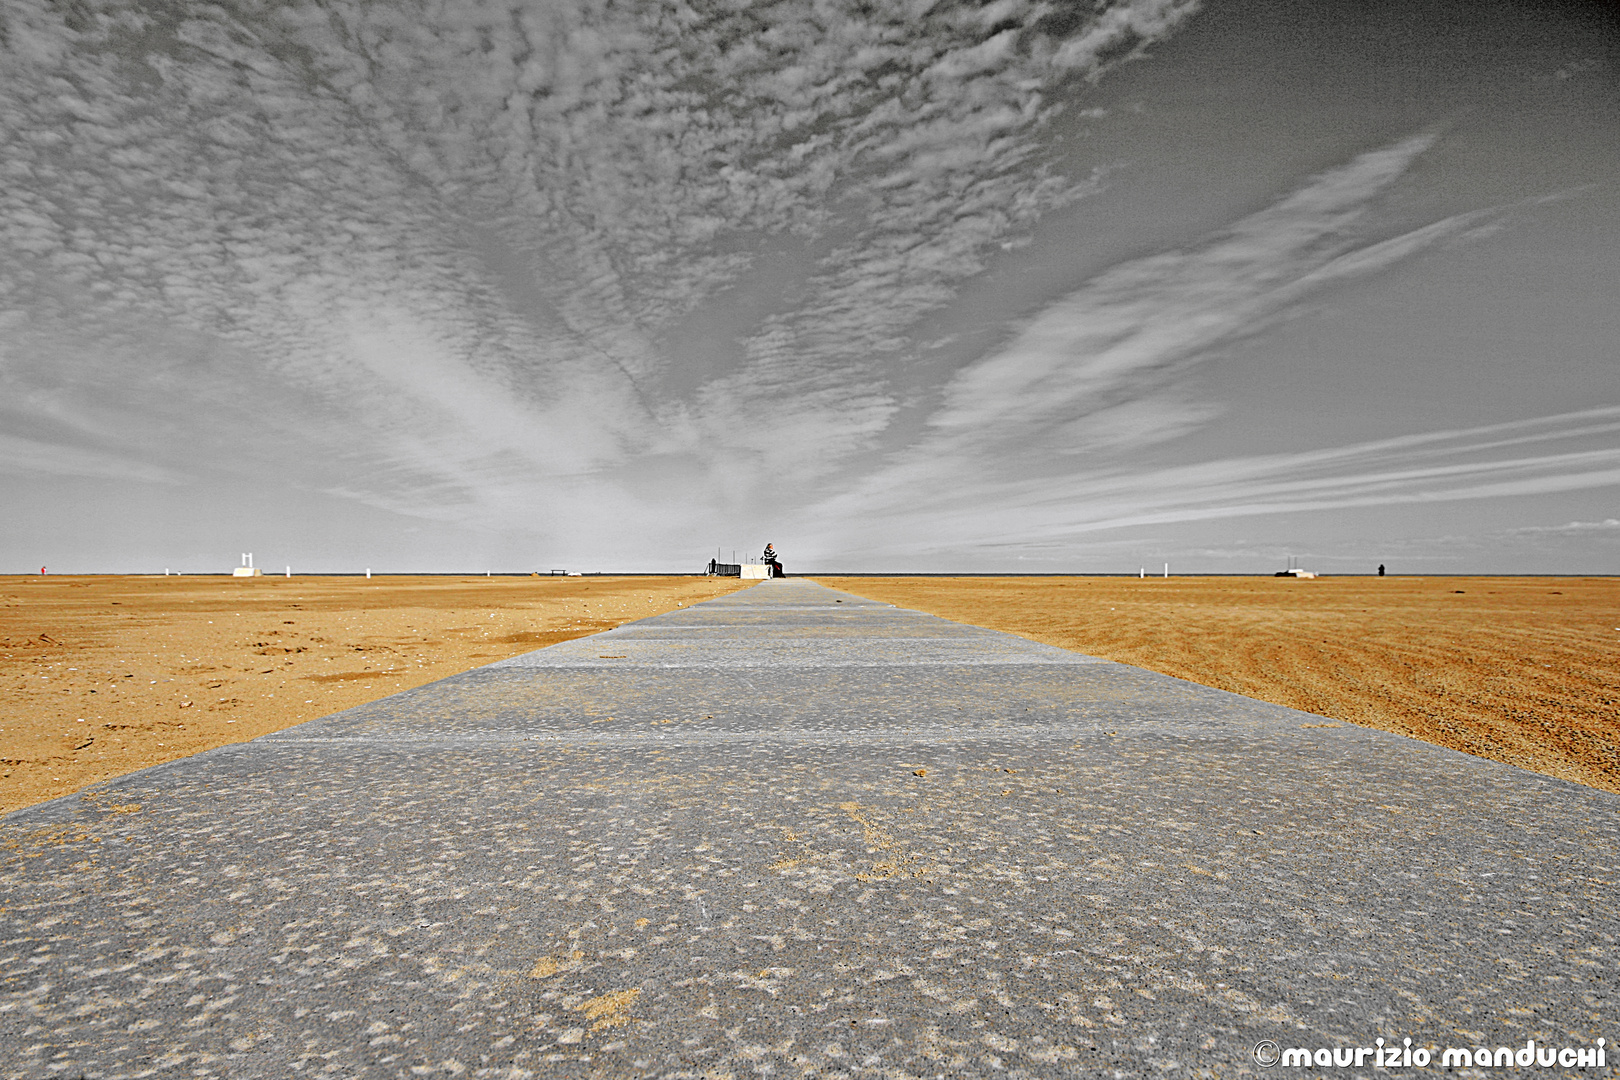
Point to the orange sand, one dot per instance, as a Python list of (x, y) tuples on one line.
[(100, 676), (1519, 670), (103, 675)]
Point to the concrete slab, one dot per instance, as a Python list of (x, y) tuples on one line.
[(794, 832)]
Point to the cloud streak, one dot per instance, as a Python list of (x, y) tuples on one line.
[(1041, 425), (1119, 337), (33, 457), (1566, 452)]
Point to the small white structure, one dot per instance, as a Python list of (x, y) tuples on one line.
[(755, 571), (247, 569)]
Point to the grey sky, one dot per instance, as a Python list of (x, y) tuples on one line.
[(930, 286)]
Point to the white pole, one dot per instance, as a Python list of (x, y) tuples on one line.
[(250, 560), (1166, 569), (1142, 573), (289, 571), (368, 573)]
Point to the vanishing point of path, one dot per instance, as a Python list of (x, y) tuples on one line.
[(795, 832)]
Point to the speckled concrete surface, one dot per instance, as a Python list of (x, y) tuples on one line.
[(791, 832)]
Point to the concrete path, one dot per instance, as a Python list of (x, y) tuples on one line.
[(794, 832)]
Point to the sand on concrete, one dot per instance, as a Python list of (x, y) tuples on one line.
[(1518, 670), (103, 675)]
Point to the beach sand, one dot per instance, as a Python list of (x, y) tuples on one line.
[(100, 676), (103, 675), (1519, 670)]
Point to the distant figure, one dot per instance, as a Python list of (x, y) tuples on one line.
[(42, 571), (1380, 569), (769, 559)]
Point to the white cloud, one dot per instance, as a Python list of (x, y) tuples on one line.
[(1577, 452), (463, 229), (1569, 528), (1039, 424), (37, 458), (1122, 330), (430, 257)]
